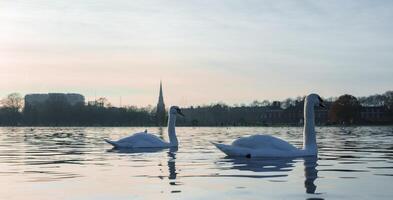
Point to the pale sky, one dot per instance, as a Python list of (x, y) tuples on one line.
[(204, 51)]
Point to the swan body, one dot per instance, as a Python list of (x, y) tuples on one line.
[(270, 146), (139, 140), (147, 140), (275, 147)]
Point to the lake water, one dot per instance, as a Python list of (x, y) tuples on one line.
[(75, 164)]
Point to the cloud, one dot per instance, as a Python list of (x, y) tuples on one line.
[(231, 51)]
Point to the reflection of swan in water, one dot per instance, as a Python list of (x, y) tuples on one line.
[(171, 157), (172, 170), (172, 165), (278, 165), (311, 174), (172, 175), (142, 150), (262, 165)]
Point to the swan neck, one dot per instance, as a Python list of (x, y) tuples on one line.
[(172, 130), (309, 138)]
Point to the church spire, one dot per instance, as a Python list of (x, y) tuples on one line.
[(161, 113), (161, 97)]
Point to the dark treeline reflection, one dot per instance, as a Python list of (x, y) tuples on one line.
[(346, 109)]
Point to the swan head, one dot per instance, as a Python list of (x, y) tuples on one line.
[(316, 100), (175, 110)]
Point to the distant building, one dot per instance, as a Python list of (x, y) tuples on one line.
[(272, 114), (374, 114), (161, 113), (70, 98), (292, 115)]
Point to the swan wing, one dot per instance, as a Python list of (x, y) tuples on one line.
[(140, 140), (260, 146), (231, 150), (237, 151), (266, 142)]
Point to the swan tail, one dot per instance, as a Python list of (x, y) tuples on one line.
[(231, 150), (111, 143), (219, 146)]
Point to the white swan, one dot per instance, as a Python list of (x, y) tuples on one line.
[(146, 140), (269, 146)]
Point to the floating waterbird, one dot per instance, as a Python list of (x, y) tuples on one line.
[(147, 140), (270, 146)]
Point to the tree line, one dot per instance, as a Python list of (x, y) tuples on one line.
[(58, 112), (345, 109)]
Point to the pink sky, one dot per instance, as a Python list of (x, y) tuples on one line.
[(227, 51)]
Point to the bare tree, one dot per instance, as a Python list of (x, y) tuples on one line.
[(13, 101), (265, 103), (103, 102)]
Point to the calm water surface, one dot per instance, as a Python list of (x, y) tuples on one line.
[(75, 163)]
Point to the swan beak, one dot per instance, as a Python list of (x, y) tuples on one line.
[(180, 113), (321, 102)]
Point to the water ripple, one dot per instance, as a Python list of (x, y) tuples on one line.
[(78, 160)]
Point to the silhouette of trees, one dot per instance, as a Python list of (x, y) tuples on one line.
[(103, 102), (10, 110), (377, 99), (389, 103), (257, 103), (13, 101), (57, 111), (346, 109)]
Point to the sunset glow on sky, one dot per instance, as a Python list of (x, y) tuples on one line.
[(203, 51)]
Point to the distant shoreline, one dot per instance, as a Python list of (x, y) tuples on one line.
[(300, 126), (68, 110)]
